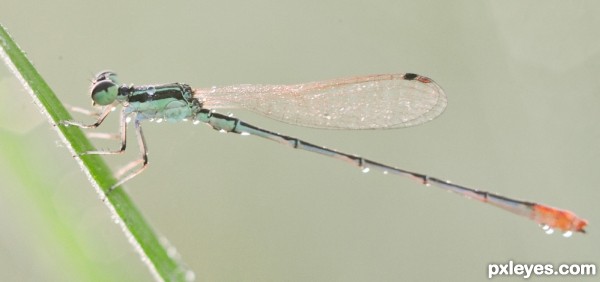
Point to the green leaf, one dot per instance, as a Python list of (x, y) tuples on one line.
[(133, 224)]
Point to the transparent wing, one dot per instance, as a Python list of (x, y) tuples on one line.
[(364, 102)]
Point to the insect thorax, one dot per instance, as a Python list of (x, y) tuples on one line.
[(169, 102)]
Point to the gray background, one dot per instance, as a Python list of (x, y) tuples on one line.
[(522, 81)]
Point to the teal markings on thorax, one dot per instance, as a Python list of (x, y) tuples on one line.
[(169, 102)]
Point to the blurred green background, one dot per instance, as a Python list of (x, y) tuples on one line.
[(523, 87)]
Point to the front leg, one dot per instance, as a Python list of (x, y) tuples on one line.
[(123, 137), (122, 131), (99, 121)]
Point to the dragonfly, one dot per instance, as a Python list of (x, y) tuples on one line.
[(382, 101)]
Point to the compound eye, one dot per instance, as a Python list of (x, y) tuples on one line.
[(104, 92), (106, 75)]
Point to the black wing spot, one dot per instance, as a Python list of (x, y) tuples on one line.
[(410, 76)]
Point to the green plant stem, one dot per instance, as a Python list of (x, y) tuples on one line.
[(133, 224)]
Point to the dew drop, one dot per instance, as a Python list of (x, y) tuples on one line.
[(172, 252), (128, 119), (222, 130), (365, 169), (116, 219), (159, 120), (113, 109), (567, 234), (549, 231), (230, 114), (195, 122), (190, 275), (151, 90), (244, 133), (386, 172)]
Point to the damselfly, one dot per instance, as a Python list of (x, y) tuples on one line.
[(364, 102)]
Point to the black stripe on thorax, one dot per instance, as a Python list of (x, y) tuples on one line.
[(165, 91)]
